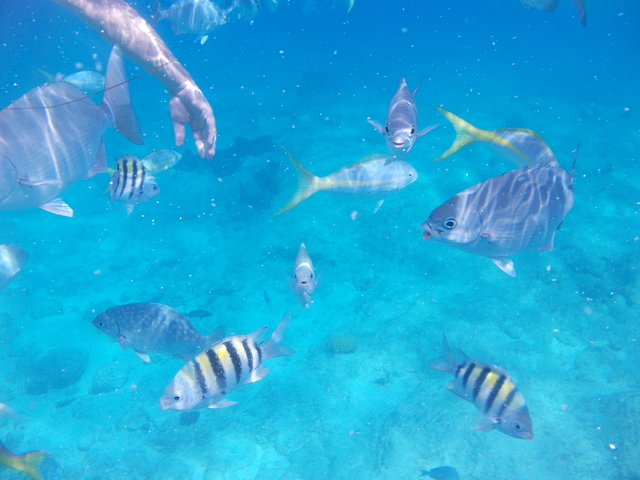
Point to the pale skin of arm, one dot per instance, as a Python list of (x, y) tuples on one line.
[(120, 24)]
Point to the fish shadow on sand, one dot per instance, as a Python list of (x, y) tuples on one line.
[(228, 161)]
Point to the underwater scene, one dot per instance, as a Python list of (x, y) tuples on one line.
[(404, 198)]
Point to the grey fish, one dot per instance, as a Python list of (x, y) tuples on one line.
[(370, 176), (12, 259), (304, 279), (192, 16), (550, 6), (491, 390), (515, 212), (401, 126), (52, 137), (205, 381), (153, 328), (441, 473), (519, 145), (89, 81), (245, 9), (199, 313)]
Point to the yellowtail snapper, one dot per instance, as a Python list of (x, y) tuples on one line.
[(226, 365), (370, 176), (28, 463), (133, 181), (491, 390)]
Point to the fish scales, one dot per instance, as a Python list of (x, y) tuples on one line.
[(224, 366), (492, 392)]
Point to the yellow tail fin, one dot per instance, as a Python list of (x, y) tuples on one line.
[(467, 133), (27, 462), (307, 184)]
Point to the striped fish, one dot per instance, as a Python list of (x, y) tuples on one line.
[(133, 181), (370, 176), (205, 381), (491, 390)]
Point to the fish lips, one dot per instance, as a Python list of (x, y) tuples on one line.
[(429, 231)]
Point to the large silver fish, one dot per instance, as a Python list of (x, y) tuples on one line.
[(12, 259), (153, 328), (370, 176), (192, 16), (401, 126), (133, 181), (491, 390), (304, 278), (519, 145), (52, 137), (550, 6), (226, 365), (515, 212)]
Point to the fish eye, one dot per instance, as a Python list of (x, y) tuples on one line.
[(177, 398), (387, 128), (413, 130), (518, 427), (311, 275), (450, 223)]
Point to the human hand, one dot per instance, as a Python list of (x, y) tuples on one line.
[(189, 106)]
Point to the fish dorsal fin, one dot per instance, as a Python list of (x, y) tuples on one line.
[(372, 157), (161, 160), (505, 264), (57, 206)]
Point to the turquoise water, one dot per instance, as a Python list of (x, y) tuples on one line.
[(307, 76)]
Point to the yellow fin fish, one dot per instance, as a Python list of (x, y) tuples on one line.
[(28, 463)]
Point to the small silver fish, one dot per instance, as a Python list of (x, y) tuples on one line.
[(304, 280), (519, 145), (89, 81), (245, 9), (12, 259), (491, 390), (205, 381), (550, 6), (153, 328), (133, 182), (192, 16), (401, 126), (370, 176), (52, 137)]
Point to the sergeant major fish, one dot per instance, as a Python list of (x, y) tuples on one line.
[(153, 328), (12, 259), (491, 390), (401, 126), (205, 381), (27, 463), (515, 212), (369, 176), (133, 181), (52, 137), (304, 280)]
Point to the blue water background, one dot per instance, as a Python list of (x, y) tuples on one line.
[(307, 76)]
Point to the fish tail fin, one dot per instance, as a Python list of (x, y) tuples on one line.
[(156, 16), (573, 167), (446, 363), (29, 463), (467, 133), (118, 100), (215, 336), (307, 185), (274, 346)]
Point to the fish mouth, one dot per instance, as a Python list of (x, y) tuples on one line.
[(527, 436), (164, 405), (429, 231)]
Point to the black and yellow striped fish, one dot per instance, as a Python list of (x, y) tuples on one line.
[(215, 372), (131, 183), (491, 390)]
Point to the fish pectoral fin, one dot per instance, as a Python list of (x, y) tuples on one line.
[(486, 424), (505, 264), (224, 403), (376, 125), (203, 39), (548, 246), (144, 356), (38, 183), (57, 206), (427, 129), (378, 205)]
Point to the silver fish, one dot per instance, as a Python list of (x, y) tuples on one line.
[(516, 212), (192, 16), (133, 181), (245, 9), (226, 365), (370, 176), (89, 81), (153, 328), (12, 259), (550, 6), (304, 279), (52, 137), (401, 126), (519, 145), (491, 390)]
